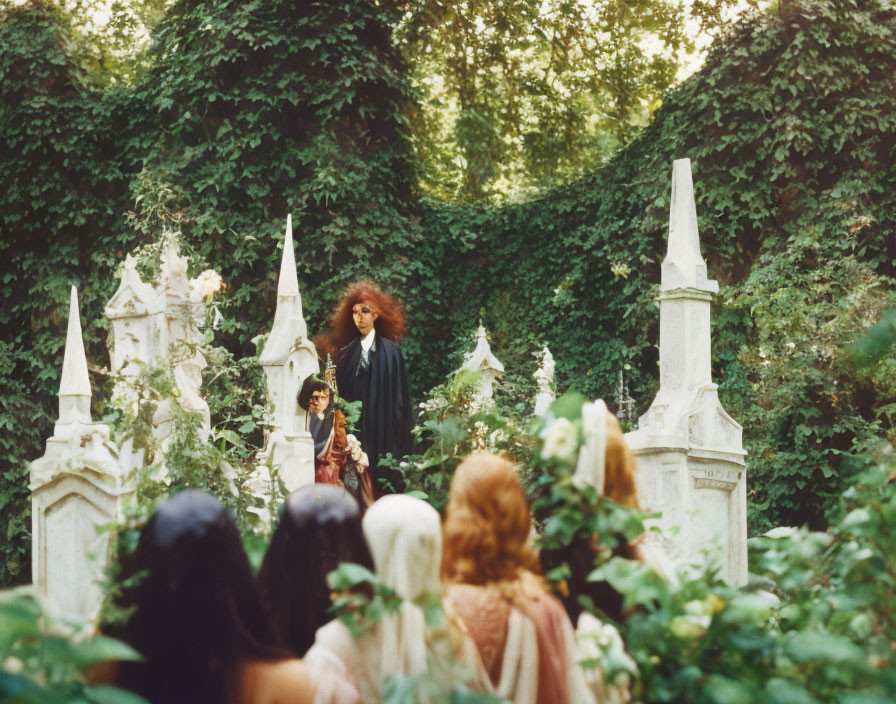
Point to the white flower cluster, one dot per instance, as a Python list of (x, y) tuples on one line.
[(207, 283), (561, 440), (434, 404)]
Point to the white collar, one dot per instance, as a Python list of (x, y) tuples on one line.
[(367, 340)]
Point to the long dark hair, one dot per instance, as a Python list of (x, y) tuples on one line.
[(197, 613), (320, 526)]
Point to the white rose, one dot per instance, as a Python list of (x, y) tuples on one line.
[(207, 283), (561, 440)]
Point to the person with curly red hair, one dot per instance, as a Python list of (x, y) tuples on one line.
[(367, 325)]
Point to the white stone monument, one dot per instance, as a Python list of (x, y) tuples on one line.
[(288, 358), (77, 486), (544, 378), (483, 361), (161, 325), (690, 451)]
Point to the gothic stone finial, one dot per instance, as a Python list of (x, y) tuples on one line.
[(289, 280), (684, 266), (74, 387)]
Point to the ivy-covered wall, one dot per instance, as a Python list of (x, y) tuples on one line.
[(791, 130), (250, 110)]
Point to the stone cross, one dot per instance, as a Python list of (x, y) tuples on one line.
[(482, 360), (689, 450), (77, 486), (288, 357), (544, 378)]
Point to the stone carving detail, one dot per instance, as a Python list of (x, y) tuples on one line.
[(704, 483), (160, 324)]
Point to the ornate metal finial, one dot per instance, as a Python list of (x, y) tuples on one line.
[(330, 374), (624, 402)]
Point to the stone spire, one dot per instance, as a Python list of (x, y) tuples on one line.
[(78, 485), (288, 358), (691, 466), (288, 286), (74, 387), (684, 266), (289, 322)]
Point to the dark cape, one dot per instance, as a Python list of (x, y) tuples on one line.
[(385, 424)]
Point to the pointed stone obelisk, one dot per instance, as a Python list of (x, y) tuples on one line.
[(482, 360), (74, 387), (77, 486), (288, 357), (691, 461)]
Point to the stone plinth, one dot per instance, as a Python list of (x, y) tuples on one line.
[(691, 461), (288, 358), (77, 486)]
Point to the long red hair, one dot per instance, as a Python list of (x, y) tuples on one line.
[(389, 324), (619, 478), (487, 524)]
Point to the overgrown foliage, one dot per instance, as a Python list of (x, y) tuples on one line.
[(44, 661), (455, 421), (248, 110), (814, 625), (790, 129)]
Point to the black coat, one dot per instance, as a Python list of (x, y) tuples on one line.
[(385, 424)]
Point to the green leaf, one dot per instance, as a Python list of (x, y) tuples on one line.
[(724, 690), (819, 647), (783, 691)]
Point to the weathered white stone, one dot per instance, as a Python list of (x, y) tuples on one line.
[(184, 310), (544, 378), (288, 358), (488, 366), (133, 312), (690, 451), (77, 486), (159, 325)]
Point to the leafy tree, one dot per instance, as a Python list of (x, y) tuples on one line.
[(522, 94)]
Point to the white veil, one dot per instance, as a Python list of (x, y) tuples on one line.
[(592, 463), (405, 539)]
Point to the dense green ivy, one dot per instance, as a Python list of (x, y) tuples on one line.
[(791, 132), (250, 110)]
